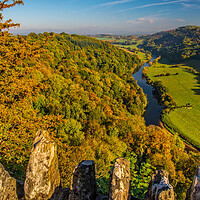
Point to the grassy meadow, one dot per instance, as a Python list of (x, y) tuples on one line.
[(184, 86), (104, 39), (131, 48), (120, 42)]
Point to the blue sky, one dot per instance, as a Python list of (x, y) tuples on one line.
[(103, 16)]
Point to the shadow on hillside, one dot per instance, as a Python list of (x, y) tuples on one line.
[(165, 61), (197, 89), (195, 64)]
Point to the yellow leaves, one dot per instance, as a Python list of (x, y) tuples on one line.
[(93, 97), (46, 72), (4, 4), (8, 23), (108, 110)]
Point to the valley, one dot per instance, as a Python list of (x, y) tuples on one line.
[(75, 98), (179, 74), (181, 84)]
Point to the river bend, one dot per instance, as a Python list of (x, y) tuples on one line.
[(153, 110)]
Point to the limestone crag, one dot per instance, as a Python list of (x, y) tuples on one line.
[(159, 188), (8, 186), (60, 194), (42, 176), (43, 179), (193, 192), (83, 186), (120, 180), (101, 197), (20, 189)]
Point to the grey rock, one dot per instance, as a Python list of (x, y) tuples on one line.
[(20, 189), (193, 192), (101, 197), (83, 186), (134, 198), (7, 185), (159, 187), (60, 194), (120, 180), (42, 176)]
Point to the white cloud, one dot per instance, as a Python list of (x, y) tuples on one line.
[(150, 20), (191, 4), (114, 3), (141, 20), (145, 20), (179, 20), (153, 4), (93, 26)]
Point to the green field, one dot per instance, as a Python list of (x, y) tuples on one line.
[(184, 88), (114, 39), (134, 48), (104, 39), (142, 55), (110, 39)]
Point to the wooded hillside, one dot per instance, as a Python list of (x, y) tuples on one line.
[(175, 45), (81, 91)]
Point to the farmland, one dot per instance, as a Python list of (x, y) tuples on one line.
[(183, 86)]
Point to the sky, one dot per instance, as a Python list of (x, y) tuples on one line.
[(103, 16)]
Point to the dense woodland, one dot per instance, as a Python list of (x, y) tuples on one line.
[(81, 91), (175, 45)]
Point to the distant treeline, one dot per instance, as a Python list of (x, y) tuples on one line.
[(175, 45)]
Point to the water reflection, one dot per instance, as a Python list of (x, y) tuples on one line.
[(153, 111)]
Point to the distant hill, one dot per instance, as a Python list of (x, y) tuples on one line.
[(176, 45)]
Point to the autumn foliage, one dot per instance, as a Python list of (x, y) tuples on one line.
[(81, 91)]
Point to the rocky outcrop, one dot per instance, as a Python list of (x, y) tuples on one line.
[(101, 197), (120, 180), (193, 192), (7, 185), (43, 179), (20, 189), (42, 176), (60, 194), (83, 186), (159, 188)]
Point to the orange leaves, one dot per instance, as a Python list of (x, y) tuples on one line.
[(46, 72), (93, 97), (6, 4), (108, 110)]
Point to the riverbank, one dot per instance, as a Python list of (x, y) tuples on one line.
[(165, 98), (188, 147), (175, 85), (153, 110)]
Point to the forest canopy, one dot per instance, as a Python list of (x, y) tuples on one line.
[(81, 90), (175, 45)]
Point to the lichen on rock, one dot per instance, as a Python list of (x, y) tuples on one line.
[(42, 176), (83, 186), (159, 187), (120, 180), (193, 192), (7, 185)]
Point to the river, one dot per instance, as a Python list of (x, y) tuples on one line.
[(153, 110)]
